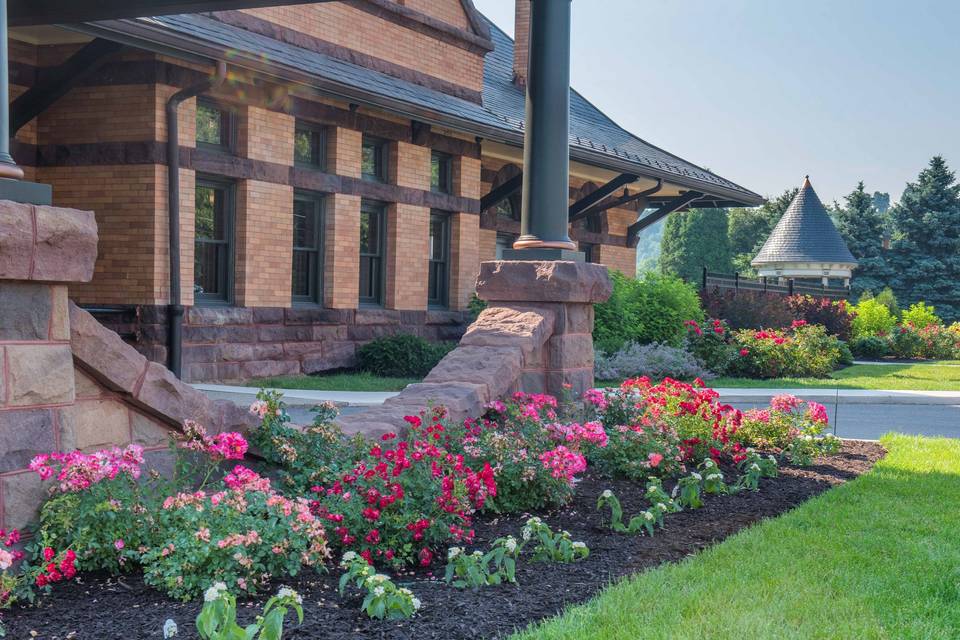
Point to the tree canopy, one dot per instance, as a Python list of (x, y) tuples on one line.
[(693, 240), (863, 227), (748, 229)]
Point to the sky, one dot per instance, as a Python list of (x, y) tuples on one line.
[(764, 92)]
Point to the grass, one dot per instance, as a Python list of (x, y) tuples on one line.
[(359, 381), (912, 377), (873, 559)]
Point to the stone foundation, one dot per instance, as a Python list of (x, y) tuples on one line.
[(67, 382), (229, 344), (535, 336)]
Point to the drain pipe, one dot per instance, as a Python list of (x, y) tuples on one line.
[(175, 308)]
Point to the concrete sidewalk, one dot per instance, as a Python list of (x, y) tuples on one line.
[(843, 396), (298, 397)]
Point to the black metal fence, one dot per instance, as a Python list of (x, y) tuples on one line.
[(737, 282)]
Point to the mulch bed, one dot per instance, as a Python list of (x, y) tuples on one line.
[(104, 608)]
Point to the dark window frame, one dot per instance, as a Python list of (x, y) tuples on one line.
[(503, 236), (226, 262), (378, 270), (381, 159), (318, 135), (439, 267), (314, 297), (228, 126), (513, 203), (589, 250), (445, 172)]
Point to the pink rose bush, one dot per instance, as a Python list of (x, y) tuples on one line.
[(791, 425)]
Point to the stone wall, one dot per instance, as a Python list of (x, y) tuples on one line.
[(534, 336), (229, 344), (67, 382)]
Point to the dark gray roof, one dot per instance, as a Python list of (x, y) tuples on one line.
[(805, 233), (594, 138)]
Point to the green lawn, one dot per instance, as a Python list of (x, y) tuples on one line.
[(334, 382), (878, 557), (915, 377)]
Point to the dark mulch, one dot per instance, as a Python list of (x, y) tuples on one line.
[(104, 608)]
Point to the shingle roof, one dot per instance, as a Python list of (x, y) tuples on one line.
[(805, 233), (593, 136)]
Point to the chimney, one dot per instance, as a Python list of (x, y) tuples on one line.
[(521, 45)]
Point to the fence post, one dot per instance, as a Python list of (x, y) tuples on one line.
[(703, 281), (764, 280), (790, 287), (736, 281)]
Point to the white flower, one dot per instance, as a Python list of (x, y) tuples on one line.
[(661, 506), (647, 515), (214, 592), (348, 557), (169, 628), (511, 544), (808, 437), (526, 533), (416, 603), (696, 476), (534, 521), (754, 467), (578, 545), (287, 592), (750, 449), (606, 494), (477, 554), (714, 476), (378, 591), (709, 463), (772, 459), (453, 552), (652, 489)]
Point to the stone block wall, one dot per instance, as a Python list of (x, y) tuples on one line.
[(67, 382)]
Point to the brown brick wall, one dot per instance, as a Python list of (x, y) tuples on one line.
[(464, 258), (264, 250), (449, 11), (341, 24), (342, 251), (620, 259)]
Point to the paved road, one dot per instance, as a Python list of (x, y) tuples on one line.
[(870, 421)]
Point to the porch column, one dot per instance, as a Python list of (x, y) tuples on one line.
[(546, 148), (8, 167)]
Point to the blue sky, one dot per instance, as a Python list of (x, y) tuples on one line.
[(766, 91)]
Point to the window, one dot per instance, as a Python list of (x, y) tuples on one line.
[(372, 227), (441, 174), (216, 126), (589, 251), (504, 241), (590, 223), (309, 145), (307, 286), (438, 278), (373, 159), (509, 208), (213, 241)]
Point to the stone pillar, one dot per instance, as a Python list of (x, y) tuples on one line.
[(41, 250), (563, 290)]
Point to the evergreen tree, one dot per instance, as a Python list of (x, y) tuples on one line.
[(881, 201), (926, 252), (693, 240), (862, 227), (748, 229)]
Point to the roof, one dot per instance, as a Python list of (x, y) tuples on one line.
[(805, 233), (594, 138)]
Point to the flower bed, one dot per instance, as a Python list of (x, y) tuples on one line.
[(408, 504)]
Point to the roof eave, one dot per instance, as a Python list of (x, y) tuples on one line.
[(164, 41)]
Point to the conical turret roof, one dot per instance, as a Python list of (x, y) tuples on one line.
[(805, 233)]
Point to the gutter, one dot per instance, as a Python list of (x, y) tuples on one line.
[(175, 308), (145, 36)]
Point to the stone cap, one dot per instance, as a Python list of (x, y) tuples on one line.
[(543, 281), (48, 244)]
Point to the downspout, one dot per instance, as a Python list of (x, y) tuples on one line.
[(175, 308)]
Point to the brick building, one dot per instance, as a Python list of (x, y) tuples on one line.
[(344, 181)]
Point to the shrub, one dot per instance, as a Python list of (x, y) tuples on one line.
[(802, 350), (401, 356), (316, 455), (653, 429), (405, 498), (790, 425), (710, 345), (871, 347), (653, 360), (834, 315), (920, 315), (932, 341), (872, 318), (748, 309), (535, 455), (649, 310), (242, 536), (474, 569)]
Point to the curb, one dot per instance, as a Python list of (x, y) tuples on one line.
[(301, 397)]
